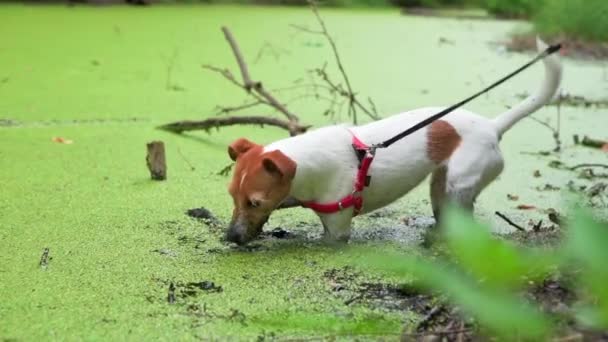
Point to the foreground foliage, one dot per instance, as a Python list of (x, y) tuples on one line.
[(485, 276)]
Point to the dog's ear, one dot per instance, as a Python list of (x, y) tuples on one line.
[(238, 147), (280, 165)]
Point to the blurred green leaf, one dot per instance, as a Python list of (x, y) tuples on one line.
[(496, 309), (494, 261), (587, 244)]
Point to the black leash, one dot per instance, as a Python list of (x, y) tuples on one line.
[(550, 50)]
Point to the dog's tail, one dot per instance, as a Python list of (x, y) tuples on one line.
[(553, 76)]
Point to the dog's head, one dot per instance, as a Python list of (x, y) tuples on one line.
[(261, 181)]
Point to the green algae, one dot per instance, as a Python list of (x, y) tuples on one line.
[(98, 76)]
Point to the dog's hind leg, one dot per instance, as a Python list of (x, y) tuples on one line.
[(438, 190), (469, 171)]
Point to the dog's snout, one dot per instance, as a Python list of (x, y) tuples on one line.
[(232, 235)]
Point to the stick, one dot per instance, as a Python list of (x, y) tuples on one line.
[(554, 131), (439, 333), (353, 102), (156, 160), (513, 224), (588, 165), (239, 58), (425, 322), (171, 294), (44, 259), (184, 126), (256, 86)]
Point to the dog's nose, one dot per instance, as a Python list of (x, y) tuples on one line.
[(233, 236)]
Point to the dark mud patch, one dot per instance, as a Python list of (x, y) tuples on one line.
[(436, 317), (556, 296), (202, 314), (571, 47), (177, 290), (279, 233), (542, 234), (185, 236), (185, 294), (205, 215)]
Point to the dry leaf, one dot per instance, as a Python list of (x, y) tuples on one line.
[(62, 140), (525, 207), (605, 147), (537, 173)]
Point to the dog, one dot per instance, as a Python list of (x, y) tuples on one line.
[(460, 151)]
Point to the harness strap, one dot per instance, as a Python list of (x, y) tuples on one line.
[(355, 199)]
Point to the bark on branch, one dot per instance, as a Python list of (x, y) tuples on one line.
[(206, 125)]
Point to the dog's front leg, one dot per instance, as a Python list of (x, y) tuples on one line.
[(337, 226)]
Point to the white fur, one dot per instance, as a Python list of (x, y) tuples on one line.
[(327, 165)]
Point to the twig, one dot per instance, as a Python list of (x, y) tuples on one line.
[(226, 110), (254, 89), (184, 126), (513, 224), (425, 322), (588, 165), (179, 151), (274, 51), (170, 63), (306, 29), (256, 86), (44, 259), (538, 226), (171, 293), (555, 132), (353, 102), (439, 333), (239, 58), (225, 171)]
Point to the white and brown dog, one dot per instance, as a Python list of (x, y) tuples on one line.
[(460, 152)]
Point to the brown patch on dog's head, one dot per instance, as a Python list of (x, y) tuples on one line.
[(261, 181), (442, 141)]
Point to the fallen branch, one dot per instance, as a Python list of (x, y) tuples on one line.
[(511, 223), (579, 166), (255, 89), (207, 125), (263, 96)]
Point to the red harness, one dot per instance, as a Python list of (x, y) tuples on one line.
[(366, 156)]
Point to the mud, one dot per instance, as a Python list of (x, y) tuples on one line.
[(204, 215), (437, 317)]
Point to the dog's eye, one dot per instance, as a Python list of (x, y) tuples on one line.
[(253, 203)]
